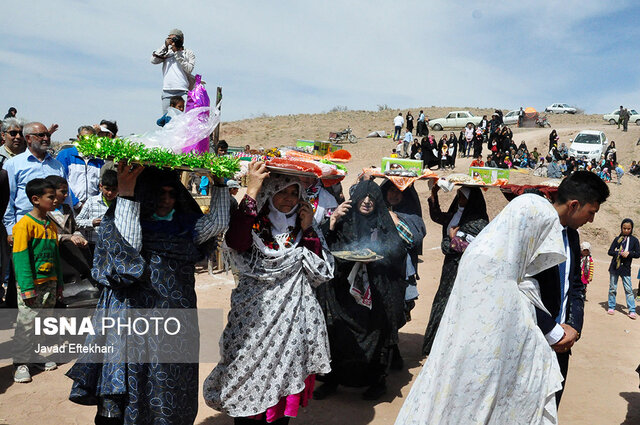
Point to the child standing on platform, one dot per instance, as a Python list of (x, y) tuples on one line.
[(38, 274)]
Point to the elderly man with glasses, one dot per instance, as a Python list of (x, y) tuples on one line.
[(34, 162), (12, 141)]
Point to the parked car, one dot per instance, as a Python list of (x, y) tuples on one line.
[(588, 143), (560, 108), (455, 119), (612, 118), (511, 117)]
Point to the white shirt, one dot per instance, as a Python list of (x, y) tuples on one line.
[(398, 121), (557, 333), (176, 67)]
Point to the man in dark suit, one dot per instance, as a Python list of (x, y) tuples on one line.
[(561, 289)]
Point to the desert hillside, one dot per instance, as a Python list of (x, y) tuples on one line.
[(284, 130)]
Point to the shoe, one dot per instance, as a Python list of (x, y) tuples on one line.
[(375, 391), (325, 390), (632, 315), (22, 375), (610, 311), (46, 366)]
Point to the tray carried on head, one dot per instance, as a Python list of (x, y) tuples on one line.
[(290, 172)]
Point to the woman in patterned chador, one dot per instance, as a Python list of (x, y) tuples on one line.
[(148, 243), (276, 339)]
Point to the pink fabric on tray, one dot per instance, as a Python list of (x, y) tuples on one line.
[(289, 405)]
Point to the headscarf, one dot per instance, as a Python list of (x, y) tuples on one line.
[(375, 230), (186, 210), (475, 209), (281, 231), (322, 202), (622, 242), (410, 203)]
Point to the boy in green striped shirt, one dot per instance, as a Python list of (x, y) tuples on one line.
[(38, 273)]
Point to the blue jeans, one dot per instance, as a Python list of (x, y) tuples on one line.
[(628, 290), (396, 134)]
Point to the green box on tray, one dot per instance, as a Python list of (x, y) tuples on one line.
[(401, 164), (488, 174), (320, 147)]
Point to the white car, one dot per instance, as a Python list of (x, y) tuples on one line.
[(511, 117), (560, 108), (588, 143), (612, 118), (455, 119)]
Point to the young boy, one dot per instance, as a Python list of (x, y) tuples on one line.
[(75, 256), (38, 274), (95, 207), (176, 107)]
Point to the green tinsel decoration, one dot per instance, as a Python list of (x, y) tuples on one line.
[(123, 149)]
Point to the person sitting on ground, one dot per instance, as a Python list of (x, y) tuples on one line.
[(477, 162), (76, 258), (36, 260), (562, 150), (541, 169), (553, 170), (176, 107), (535, 153), (634, 169), (96, 206)]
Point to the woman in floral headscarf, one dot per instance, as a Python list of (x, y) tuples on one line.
[(275, 340)]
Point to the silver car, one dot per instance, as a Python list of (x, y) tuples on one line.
[(612, 118), (560, 108)]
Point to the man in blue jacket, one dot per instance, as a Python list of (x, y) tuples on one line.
[(83, 174)]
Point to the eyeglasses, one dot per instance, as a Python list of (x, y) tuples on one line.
[(14, 133), (40, 135)]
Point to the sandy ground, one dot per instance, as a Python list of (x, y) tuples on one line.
[(602, 386)]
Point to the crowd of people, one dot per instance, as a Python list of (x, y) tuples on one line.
[(132, 236), (503, 151)]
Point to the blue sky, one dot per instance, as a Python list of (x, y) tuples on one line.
[(76, 62)]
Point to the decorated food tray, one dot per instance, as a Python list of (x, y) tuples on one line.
[(401, 182), (361, 255), (466, 180), (290, 171), (137, 153)]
